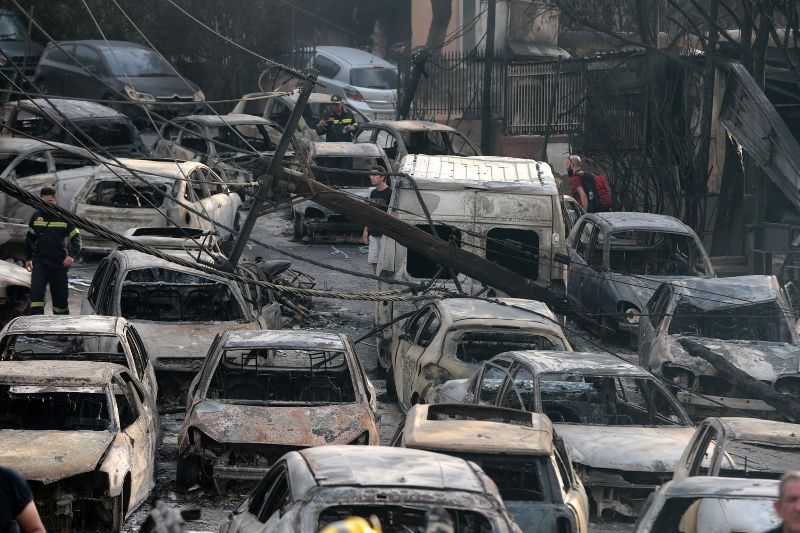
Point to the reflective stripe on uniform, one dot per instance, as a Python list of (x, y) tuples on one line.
[(37, 304), (40, 223), (59, 309), (56, 224), (73, 233), (31, 230)]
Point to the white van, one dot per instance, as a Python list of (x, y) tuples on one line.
[(505, 209)]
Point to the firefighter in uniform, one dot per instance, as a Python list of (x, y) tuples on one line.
[(340, 124), (51, 246)]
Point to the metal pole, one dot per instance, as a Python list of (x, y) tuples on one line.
[(486, 99), (275, 165)]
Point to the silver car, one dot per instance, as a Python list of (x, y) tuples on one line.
[(366, 81)]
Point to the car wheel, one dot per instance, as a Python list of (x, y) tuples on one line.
[(391, 389), (299, 230), (188, 472)]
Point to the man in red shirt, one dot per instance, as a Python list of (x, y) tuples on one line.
[(573, 168)]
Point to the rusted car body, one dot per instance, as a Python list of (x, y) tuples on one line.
[(398, 138), (746, 319), (504, 209), (95, 338), (624, 430), (711, 504), (32, 164), (141, 196), (229, 144), (520, 452), (15, 289), (450, 338), (316, 223), (618, 260), (741, 447), (99, 127), (278, 106), (178, 311), (263, 393), (84, 435), (308, 489)]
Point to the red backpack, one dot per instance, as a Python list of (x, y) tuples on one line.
[(597, 192)]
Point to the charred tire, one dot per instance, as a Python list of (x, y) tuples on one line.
[(188, 473), (391, 388), (299, 230)]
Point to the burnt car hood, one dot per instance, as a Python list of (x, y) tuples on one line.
[(166, 87), (48, 456), (765, 361), (629, 448), (304, 426), (171, 340)]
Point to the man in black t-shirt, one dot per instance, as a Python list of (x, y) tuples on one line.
[(379, 197), (16, 504)]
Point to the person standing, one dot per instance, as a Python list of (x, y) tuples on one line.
[(590, 190), (788, 504), (51, 246), (17, 509), (378, 197), (340, 124)]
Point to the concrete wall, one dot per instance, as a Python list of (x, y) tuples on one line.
[(421, 16)]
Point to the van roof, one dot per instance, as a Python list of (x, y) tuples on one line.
[(502, 174)]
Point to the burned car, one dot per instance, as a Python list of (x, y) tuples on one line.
[(109, 339), (226, 143), (449, 339), (745, 319), (316, 223), (309, 489), (618, 260), (398, 138), (15, 290), (278, 106), (263, 393), (32, 164), (741, 447), (520, 452), (144, 193), (624, 430), (711, 504), (84, 436), (178, 311), (58, 119)]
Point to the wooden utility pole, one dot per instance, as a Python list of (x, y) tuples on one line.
[(486, 98), (437, 250)]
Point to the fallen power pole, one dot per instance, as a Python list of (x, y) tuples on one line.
[(437, 250)]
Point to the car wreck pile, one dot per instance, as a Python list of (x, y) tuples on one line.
[(506, 428)]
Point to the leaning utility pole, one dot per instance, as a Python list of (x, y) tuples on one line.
[(265, 181), (486, 98)]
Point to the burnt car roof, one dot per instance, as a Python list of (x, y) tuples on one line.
[(64, 324), (58, 108), (462, 434), (620, 221), (589, 362), (382, 466), (284, 339), (412, 125), (713, 293), (135, 260), (476, 309), (722, 487), (17, 145), (154, 167), (103, 44), (58, 373), (233, 119), (15, 273), (344, 149), (757, 430)]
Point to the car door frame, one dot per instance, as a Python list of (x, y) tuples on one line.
[(402, 151), (578, 264), (405, 343)]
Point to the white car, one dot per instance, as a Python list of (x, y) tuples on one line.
[(366, 81), (143, 194)]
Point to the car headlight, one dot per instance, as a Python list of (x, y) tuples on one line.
[(199, 95), (631, 315), (138, 96)]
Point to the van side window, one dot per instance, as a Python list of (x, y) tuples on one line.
[(515, 249), (582, 244), (419, 266)]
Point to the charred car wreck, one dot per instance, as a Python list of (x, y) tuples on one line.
[(263, 393), (84, 436), (746, 319), (15, 289)]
